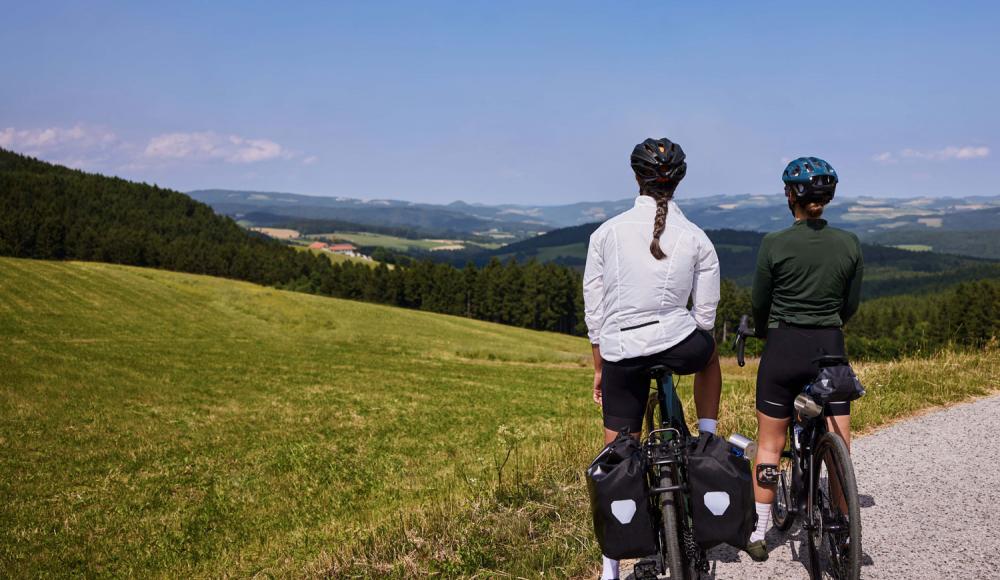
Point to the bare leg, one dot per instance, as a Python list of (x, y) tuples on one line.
[(708, 388), (841, 425), (770, 443), (610, 435)]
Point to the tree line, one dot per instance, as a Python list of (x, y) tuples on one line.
[(51, 212), (967, 315)]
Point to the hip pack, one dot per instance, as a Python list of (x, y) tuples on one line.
[(835, 383)]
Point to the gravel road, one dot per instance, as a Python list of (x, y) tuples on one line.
[(930, 503)]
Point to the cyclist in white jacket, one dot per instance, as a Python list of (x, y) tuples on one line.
[(642, 267)]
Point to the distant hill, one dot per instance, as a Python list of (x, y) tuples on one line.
[(51, 212), (979, 243), (888, 270), (867, 216), (270, 209)]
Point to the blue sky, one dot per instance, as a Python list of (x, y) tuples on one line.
[(522, 102)]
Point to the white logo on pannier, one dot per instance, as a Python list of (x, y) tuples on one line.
[(623, 510), (717, 502)]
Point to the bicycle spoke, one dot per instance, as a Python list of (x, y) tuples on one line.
[(834, 497)]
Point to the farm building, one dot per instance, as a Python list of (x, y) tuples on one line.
[(319, 246), (346, 249)]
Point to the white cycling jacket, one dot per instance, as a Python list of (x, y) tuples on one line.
[(635, 304)]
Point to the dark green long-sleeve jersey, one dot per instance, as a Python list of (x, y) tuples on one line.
[(807, 275)]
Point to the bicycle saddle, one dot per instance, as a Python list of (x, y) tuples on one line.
[(658, 371), (830, 360)]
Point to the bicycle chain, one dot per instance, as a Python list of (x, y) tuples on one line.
[(693, 550)]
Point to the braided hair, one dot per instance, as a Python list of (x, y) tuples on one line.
[(659, 166), (662, 195)]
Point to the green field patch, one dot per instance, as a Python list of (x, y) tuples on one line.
[(734, 248), (368, 239), (334, 257), (914, 247)]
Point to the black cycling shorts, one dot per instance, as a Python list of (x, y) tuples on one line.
[(625, 384), (787, 366)]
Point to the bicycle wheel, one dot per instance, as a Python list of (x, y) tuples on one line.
[(837, 538), (673, 558), (785, 506)]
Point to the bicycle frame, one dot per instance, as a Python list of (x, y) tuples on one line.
[(804, 459), (666, 448), (665, 445)]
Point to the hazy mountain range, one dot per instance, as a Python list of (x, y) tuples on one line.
[(887, 220), (750, 212)]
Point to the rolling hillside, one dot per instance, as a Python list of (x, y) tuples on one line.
[(888, 271), (52, 212), (865, 215), (157, 424), (268, 208)]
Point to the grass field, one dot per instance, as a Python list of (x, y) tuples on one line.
[(550, 253), (336, 258), (162, 424), (278, 233), (369, 239), (915, 247)]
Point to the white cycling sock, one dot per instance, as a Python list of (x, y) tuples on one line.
[(763, 521), (610, 571), (707, 425)]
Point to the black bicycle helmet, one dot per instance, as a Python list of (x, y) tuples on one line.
[(812, 178), (658, 161)]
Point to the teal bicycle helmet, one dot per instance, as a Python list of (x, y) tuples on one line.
[(811, 178)]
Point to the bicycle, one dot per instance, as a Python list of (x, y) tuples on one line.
[(665, 446), (812, 469)]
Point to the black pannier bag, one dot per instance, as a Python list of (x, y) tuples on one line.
[(619, 499), (722, 502), (836, 383)]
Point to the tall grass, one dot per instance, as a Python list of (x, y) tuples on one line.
[(161, 424)]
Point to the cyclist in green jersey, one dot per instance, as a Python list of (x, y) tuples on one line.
[(806, 286)]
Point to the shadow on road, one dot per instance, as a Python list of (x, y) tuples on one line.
[(795, 538)]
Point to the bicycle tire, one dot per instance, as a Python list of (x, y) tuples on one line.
[(673, 558), (844, 559), (784, 508)]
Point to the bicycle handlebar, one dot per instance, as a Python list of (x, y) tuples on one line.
[(742, 333)]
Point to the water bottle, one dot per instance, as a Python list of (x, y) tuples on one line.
[(797, 436), (746, 447), (807, 407)]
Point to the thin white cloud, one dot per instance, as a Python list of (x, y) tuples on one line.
[(90, 147), (208, 146), (946, 154), (309, 160), (77, 146)]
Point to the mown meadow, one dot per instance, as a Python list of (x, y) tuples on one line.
[(163, 424)]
